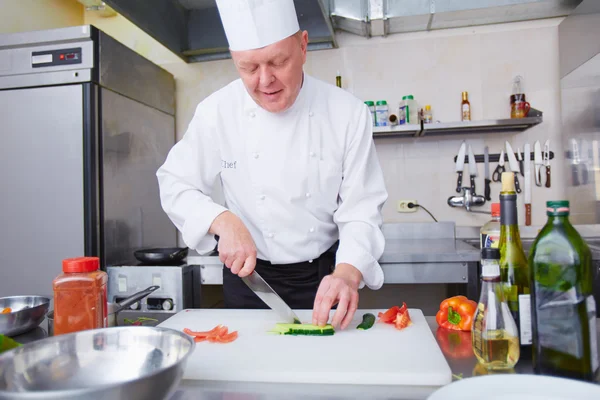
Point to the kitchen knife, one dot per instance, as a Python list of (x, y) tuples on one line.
[(547, 161), (527, 170), (486, 167), (538, 162), (514, 165), (472, 169), (584, 155), (460, 165), (520, 159), (262, 289), (575, 162)]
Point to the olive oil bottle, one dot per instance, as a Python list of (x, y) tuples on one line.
[(563, 305), (514, 268)]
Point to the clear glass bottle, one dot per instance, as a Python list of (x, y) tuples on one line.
[(490, 232), (562, 299), (494, 334), (427, 115)]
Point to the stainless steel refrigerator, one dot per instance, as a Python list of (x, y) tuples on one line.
[(85, 122)]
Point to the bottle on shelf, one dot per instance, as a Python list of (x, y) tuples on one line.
[(563, 304), (490, 232), (514, 268), (494, 336), (427, 114), (338, 79), (465, 107)]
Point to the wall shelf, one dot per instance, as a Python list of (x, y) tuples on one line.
[(461, 127)]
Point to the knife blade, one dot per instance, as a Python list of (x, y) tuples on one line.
[(486, 169), (575, 162), (537, 161), (527, 171), (262, 289), (460, 165), (514, 165), (547, 161), (472, 169), (520, 159)]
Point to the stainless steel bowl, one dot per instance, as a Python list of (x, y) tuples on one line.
[(27, 313), (111, 363)]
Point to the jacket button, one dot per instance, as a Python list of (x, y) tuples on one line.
[(312, 154), (312, 229), (307, 195), (262, 197), (252, 114), (310, 114), (255, 155), (270, 235)]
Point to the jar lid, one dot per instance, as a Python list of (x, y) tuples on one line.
[(409, 97), (369, 103), (381, 102), (427, 107), (80, 264)]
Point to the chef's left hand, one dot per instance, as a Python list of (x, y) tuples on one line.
[(341, 288)]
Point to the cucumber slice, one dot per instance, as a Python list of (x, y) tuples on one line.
[(367, 322), (303, 329)]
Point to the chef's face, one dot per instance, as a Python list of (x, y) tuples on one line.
[(273, 74)]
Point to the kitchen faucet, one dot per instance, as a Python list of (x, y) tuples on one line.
[(468, 200)]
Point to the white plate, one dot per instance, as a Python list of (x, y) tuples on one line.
[(517, 387)]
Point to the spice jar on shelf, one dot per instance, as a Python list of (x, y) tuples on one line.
[(80, 298), (427, 115), (371, 107), (381, 113)]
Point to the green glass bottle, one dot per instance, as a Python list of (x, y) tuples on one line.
[(514, 268), (563, 305)]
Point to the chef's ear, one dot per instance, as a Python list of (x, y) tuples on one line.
[(303, 38)]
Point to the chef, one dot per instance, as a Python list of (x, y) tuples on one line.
[(296, 161)]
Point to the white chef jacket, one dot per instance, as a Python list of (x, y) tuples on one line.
[(298, 179)]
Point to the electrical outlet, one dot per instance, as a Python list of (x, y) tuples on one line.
[(403, 206)]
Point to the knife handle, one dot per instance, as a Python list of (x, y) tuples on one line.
[(473, 185), (517, 185), (547, 176), (528, 214), (459, 182), (488, 190)]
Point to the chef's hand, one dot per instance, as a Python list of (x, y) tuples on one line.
[(341, 288), (236, 246)]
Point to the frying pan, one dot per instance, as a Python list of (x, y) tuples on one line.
[(161, 255)]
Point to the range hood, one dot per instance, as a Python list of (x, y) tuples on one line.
[(192, 28)]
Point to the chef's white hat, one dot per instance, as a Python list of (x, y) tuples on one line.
[(252, 24)]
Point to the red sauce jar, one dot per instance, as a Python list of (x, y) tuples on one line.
[(80, 296)]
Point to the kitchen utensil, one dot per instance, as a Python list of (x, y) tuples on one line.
[(113, 308), (514, 165), (472, 170), (393, 357), (527, 168), (517, 387), (547, 161), (460, 164), (575, 162), (486, 169), (584, 157), (520, 159), (538, 162), (114, 363), (27, 313), (161, 255), (497, 176), (262, 289)]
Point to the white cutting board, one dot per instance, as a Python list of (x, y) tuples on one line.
[(381, 355)]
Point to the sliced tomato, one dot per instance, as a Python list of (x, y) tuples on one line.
[(198, 339), (203, 334), (389, 316), (403, 319)]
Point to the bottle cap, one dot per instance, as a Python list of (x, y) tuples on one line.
[(557, 208), (369, 103), (409, 97), (490, 253), (427, 107), (80, 264), (495, 209), (381, 102), (508, 182)]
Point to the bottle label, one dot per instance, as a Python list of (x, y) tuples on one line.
[(466, 112), (490, 240), (525, 319), (591, 309)]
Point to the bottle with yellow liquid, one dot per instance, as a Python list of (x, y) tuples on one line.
[(494, 334)]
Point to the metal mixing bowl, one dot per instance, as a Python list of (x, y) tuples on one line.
[(101, 364), (27, 313)]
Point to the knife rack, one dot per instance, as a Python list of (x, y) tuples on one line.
[(496, 157)]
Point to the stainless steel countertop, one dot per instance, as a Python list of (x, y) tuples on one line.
[(464, 365)]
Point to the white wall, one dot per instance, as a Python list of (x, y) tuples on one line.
[(29, 15), (433, 66)]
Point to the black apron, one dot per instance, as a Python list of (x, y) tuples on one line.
[(296, 283)]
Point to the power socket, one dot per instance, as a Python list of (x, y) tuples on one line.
[(403, 206)]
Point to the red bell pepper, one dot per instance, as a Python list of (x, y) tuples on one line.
[(456, 313), (397, 316)]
